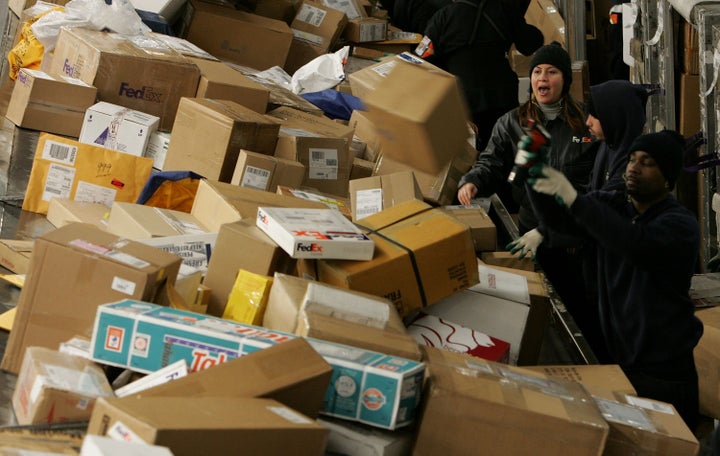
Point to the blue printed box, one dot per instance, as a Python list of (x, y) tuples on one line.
[(366, 386)]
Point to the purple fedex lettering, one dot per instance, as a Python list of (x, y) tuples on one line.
[(68, 69), (146, 93)]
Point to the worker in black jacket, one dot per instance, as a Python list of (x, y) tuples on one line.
[(471, 39)]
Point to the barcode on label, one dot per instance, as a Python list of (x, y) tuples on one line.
[(258, 171), (59, 152), (318, 155), (331, 162)]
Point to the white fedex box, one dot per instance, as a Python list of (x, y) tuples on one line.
[(315, 233), (118, 128)]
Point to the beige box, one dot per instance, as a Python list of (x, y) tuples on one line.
[(332, 201), (603, 380), (63, 211), (145, 75), (293, 118), (220, 82), (318, 24), (410, 281), (54, 387), (366, 132), (217, 203), (362, 30), (481, 226), (421, 117), (361, 169), (243, 38), (15, 255), (471, 403), (291, 372), (266, 172), (301, 53), (545, 15), (260, 426), (373, 194), (364, 82), (137, 221), (97, 268), (50, 104), (208, 134)]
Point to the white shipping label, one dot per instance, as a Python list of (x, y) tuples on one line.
[(123, 286), (323, 164), (384, 69), (256, 178), (346, 6), (307, 37), (127, 259), (621, 413), (290, 415), (311, 15), (119, 431), (650, 405), (59, 152), (368, 202), (59, 182), (92, 193), (288, 131), (181, 226)]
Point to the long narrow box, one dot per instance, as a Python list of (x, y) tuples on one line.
[(315, 233), (366, 386)]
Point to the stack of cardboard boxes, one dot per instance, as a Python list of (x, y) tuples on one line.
[(322, 239)]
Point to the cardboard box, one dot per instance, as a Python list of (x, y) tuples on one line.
[(260, 426), (144, 75), (156, 149), (472, 403), (366, 132), (94, 445), (373, 194), (347, 437), (301, 53), (352, 8), (217, 203), (690, 120), (63, 168), (315, 233), (336, 320), (334, 202), (97, 267), (440, 188), (53, 387), (432, 331), (362, 30), (243, 38), (318, 25), (137, 221), (63, 211), (194, 249), (645, 426), (361, 169), (508, 260), (117, 128), (291, 372), (220, 82), (544, 15), (208, 135), (260, 255), (603, 380), (421, 117), (363, 82), (282, 10), (51, 104), (266, 172), (293, 118), (481, 226), (707, 361), (410, 281), (15, 255), (281, 96), (509, 304)]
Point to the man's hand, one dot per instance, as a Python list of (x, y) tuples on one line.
[(466, 193), (550, 181), (529, 242)]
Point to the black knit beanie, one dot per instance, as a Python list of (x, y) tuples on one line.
[(554, 54), (666, 148)]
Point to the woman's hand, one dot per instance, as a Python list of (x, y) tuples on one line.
[(466, 193)]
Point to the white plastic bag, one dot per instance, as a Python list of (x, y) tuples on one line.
[(321, 73)]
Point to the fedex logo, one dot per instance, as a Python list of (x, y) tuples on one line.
[(146, 93), (313, 247), (202, 359), (69, 69), (263, 218)]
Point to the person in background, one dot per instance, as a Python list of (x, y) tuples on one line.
[(550, 105), (647, 246), (471, 39), (412, 15)]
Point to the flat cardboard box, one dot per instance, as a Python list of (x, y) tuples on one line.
[(707, 360), (227, 33), (145, 75), (410, 281), (137, 221), (64, 168), (645, 426), (472, 403), (54, 387), (51, 104), (208, 135), (118, 128), (315, 233), (291, 372), (96, 268), (481, 225), (15, 255), (373, 194), (221, 82), (259, 426), (63, 211), (217, 203), (266, 172), (260, 255)]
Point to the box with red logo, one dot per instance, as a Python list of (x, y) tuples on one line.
[(315, 233)]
